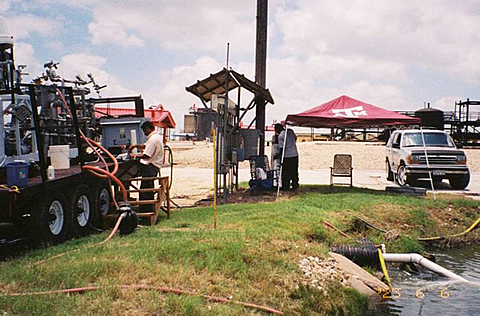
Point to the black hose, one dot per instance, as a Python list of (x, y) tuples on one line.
[(370, 224), (363, 255), (170, 161)]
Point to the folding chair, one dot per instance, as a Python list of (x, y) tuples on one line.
[(256, 162), (342, 167)]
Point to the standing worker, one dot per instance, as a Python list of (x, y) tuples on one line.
[(290, 160), (151, 160)]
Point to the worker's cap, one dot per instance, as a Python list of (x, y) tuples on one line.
[(278, 127), (146, 124)]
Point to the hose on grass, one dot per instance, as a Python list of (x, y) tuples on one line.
[(472, 227), (328, 224), (370, 224), (151, 288), (112, 233)]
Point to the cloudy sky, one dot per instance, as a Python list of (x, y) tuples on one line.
[(394, 54)]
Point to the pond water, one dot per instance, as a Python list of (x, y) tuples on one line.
[(427, 293)]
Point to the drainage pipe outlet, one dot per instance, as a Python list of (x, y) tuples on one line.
[(418, 259)]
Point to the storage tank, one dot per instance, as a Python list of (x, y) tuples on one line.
[(431, 118)]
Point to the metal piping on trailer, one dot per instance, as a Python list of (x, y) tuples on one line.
[(418, 259), (124, 210)]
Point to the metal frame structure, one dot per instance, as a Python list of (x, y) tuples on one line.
[(227, 122), (464, 126)]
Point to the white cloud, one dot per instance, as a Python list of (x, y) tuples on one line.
[(178, 25), (385, 96), (25, 55), (24, 26), (381, 52), (83, 64), (110, 32), (171, 89), (5, 5), (394, 34), (445, 103)]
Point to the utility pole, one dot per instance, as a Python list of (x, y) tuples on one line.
[(261, 70)]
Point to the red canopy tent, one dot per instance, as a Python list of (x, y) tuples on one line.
[(348, 112)]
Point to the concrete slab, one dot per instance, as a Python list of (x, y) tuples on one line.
[(360, 279)]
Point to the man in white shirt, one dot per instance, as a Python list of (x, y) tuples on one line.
[(151, 160)]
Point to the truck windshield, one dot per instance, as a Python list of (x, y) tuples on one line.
[(431, 140)]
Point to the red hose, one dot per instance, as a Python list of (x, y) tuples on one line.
[(95, 170), (114, 231), (117, 181)]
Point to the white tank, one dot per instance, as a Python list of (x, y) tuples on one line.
[(5, 36)]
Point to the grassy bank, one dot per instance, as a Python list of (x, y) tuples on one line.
[(252, 256)]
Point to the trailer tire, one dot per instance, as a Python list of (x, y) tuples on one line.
[(51, 218), (81, 211), (102, 197)]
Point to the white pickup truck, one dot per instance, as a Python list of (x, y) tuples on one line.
[(406, 162)]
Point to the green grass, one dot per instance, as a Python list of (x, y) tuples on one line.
[(252, 256)]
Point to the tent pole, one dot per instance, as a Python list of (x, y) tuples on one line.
[(428, 164)]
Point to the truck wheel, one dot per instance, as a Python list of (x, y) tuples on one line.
[(459, 182), (81, 211), (389, 172), (102, 198), (51, 218), (402, 178)]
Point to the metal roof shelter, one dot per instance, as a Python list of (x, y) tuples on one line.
[(217, 83), (227, 119)]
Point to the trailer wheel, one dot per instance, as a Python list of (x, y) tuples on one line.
[(102, 198), (51, 220), (81, 211)]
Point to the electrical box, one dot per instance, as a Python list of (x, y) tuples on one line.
[(118, 133), (250, 142), (218, 101)]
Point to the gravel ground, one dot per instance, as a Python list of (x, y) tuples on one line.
[(313, 155), (193, 178)]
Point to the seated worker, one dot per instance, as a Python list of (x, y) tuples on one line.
[(151, 159), (260, 183)]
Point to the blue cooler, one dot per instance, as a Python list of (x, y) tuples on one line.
[(17, 174)]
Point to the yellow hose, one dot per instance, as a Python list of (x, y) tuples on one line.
[(384, 269), (13, 188), (456, 235)]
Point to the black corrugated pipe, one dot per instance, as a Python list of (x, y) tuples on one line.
[(363, 255)]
